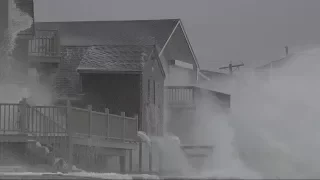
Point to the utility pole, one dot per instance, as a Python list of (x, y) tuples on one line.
[(231, 67)]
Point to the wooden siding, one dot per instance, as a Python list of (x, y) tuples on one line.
[(118, 92)]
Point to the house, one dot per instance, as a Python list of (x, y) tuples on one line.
[(125, 78), (184, 100), (108, 63), (75, 38)]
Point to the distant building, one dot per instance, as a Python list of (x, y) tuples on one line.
[(265, 72)]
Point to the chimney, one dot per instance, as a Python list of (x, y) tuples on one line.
[(287, 50)]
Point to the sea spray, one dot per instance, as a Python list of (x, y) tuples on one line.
[(276, 122), (18, 22)]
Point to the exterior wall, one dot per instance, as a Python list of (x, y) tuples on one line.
[(4, 10), (20, 54), (153, 97), (118, 92), (180, 76)]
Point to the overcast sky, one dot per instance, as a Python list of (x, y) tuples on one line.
[(250, 31)]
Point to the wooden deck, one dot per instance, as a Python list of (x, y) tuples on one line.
[(64, 128)]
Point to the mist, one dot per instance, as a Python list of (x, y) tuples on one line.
[(15, 84)]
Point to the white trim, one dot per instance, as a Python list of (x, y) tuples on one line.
[(164, 46), (183, 64), (189, 44), (204, 76)]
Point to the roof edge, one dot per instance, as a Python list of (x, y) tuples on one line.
[(124, 20), (189, 44)]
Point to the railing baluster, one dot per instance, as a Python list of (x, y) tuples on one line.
[(5, 119), (1, 117)]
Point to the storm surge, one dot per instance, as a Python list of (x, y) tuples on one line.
[(273, 128)]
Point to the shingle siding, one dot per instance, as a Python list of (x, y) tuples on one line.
[(115, 58), (67, 81)]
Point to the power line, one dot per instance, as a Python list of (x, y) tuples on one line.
[(232, 67)]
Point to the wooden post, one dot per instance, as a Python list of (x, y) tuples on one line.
[(69, 132), (150, 158), (106, 110), (90, 120), (23, 115), (122, 164), (137, 123), (123, 116), (130, 160)]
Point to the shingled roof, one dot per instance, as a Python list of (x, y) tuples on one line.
[(115, 58)]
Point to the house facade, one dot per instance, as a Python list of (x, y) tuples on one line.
[(125, 78), (144, 67), (167, 36)]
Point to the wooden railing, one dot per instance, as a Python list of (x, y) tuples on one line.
[(9, 123), (110, 126), (180, 95), (187, 96), (46, 43), (55, 126)]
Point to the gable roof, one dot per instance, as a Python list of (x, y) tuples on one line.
[(115, 58), (164, 33), (88, 33)]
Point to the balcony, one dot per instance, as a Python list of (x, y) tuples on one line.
[(186, 96), (180, 96), (45, 47)]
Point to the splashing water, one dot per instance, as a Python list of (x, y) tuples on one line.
[(173, 160), (19, 22), (275, 123), (273, 128), (15, 84)]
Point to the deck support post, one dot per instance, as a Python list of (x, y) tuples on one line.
[(69, 131), (23, 115), (90, 120)]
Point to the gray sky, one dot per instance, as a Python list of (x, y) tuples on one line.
[(250, 31)]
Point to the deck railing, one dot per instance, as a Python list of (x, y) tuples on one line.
[(45, 43), (110, 126), (55, 126), (187, 96), (180, 95)]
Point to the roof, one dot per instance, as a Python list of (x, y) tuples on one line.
[(210, 73), (88, 33), (115, 58), (167, 34), (277, 63)]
